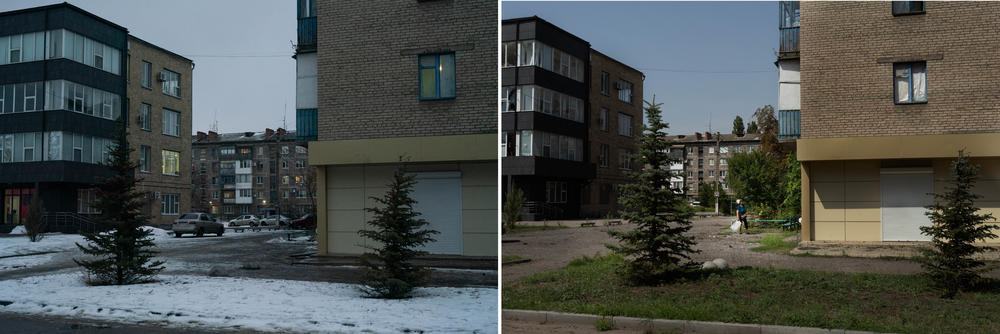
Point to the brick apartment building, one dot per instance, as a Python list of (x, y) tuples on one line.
[(615, 121), (706, 156), (890, 93), (425, 93), (67, 76), (159, 91), (258, 173)]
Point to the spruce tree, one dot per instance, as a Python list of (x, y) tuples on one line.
[(657, 250), (397, 232), (955, 227), (124, 253)]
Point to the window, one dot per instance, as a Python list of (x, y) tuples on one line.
[(144, 158), (711, 150), (245, 193), (624, 125), (171, 83), (544, 144), (910, 82), (724, 150), (228, 150), (15, 48), (307, 8), (624, 159), (171, 123), (605, 83), (144, 117), (722, 162), (722, 173), (300, 163), (555, 192), (284, 150), (711, 173), (85, 200), (260, 150), (215, 195), (260, 180), (711, 162), (171, 204), (508, 54), (171, 163), (147, 75), (284, 179), (602, 155), (215, 181), (907, 7), (603, 120), (437, 76), (689, 174), (284, 194), (538, 99), (625, 91), (284, 165), (298, 179)]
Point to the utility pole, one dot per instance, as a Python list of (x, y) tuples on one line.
[(717, 176)]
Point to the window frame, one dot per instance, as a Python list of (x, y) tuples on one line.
[(164, 162), (144, 111), (895, 89), (437, 76), (176, 126), (144, 157), (923, 8), (605, 83), (146, 78), (167, 74)]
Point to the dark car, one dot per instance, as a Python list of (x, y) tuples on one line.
[(307, 222)]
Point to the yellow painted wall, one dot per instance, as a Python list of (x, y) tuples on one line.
[(846, 196)]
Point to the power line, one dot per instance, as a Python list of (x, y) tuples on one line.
[(239, 56)]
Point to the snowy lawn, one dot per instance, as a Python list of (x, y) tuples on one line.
[(254, 304)]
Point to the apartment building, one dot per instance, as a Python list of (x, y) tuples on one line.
[(159, 96), (259, 173), (789, 116), (615, 121), (706, 159), (65, 75), (883, 116), (419, 98)]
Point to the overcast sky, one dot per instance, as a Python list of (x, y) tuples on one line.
[(700, 59), (244, 74)]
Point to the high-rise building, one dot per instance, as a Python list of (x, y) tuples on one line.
[(884, 116), (414, 93)]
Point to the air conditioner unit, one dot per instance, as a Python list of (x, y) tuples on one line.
[(161, 76)]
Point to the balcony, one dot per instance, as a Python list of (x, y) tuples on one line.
[(789, 40), (789, 124), (307, 35), (227, 171), (306, 128)]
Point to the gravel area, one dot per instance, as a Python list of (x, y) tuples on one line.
[(553, 249)]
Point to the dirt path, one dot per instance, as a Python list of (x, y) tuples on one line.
[(553, 249)]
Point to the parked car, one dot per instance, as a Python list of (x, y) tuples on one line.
[(245, 220), (306, 222), (197, 223), (280, 220)]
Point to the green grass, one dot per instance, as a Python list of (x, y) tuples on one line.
[(535, 228), (604, 324), (871, 302), (775, 243)]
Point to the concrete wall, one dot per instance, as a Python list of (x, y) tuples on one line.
[(846, 195), (349, 188), (788, 85), (848, 50), (305, 81), (154, 180)]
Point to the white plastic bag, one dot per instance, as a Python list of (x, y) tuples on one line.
[(735, 226)]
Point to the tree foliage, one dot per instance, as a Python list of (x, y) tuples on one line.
[(706, 193), (757, 179), (768, 124), (792, 204), (738, 126), (752, 128), (124, 254), (512, 208), (34, 222), (397, 233), (657, 250), (955, 227)]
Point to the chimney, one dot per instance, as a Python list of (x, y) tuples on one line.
[(708, 135), (281, 132), (268, 132), (201, 135), (213, 135), (697, 135)]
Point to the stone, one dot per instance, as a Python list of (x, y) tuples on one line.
[(720, 263), (709, 265)]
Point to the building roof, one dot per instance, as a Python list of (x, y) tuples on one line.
[(133, 37), (725, 137), (643, 75), (536, 18), (244, 137), (67, 5)]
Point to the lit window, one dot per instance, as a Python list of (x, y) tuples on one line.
[(171, 163), (437, 76)]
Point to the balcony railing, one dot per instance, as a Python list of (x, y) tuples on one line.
[(789, 124), (307, 34), (227, 171), (789, 40), (305, 125)]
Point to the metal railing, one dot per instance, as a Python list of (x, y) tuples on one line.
[(71, 222), (540, 211)]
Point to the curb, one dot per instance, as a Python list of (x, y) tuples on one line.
[(684, 326)]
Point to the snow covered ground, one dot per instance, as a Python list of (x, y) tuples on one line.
[(255, 304)]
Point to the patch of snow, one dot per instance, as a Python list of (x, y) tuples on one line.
[(51, 242), (21, 262), (305, 239), (19, 229), (157, 233), (255, 304)]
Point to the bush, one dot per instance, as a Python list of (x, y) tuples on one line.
[(34, 223), (512, 208)]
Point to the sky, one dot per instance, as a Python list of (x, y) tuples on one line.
[(702, 60), (244, 74)]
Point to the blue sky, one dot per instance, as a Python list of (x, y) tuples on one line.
[(242, 50), (720, 55)]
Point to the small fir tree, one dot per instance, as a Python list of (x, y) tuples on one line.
[(512, 208), (34, 223), (397, 232), (954, 228), (124, 254), (738, 126), (657, 250)]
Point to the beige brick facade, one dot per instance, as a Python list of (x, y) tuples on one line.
[(608, 175), (848, 50), (367, 67), (153, 180)]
